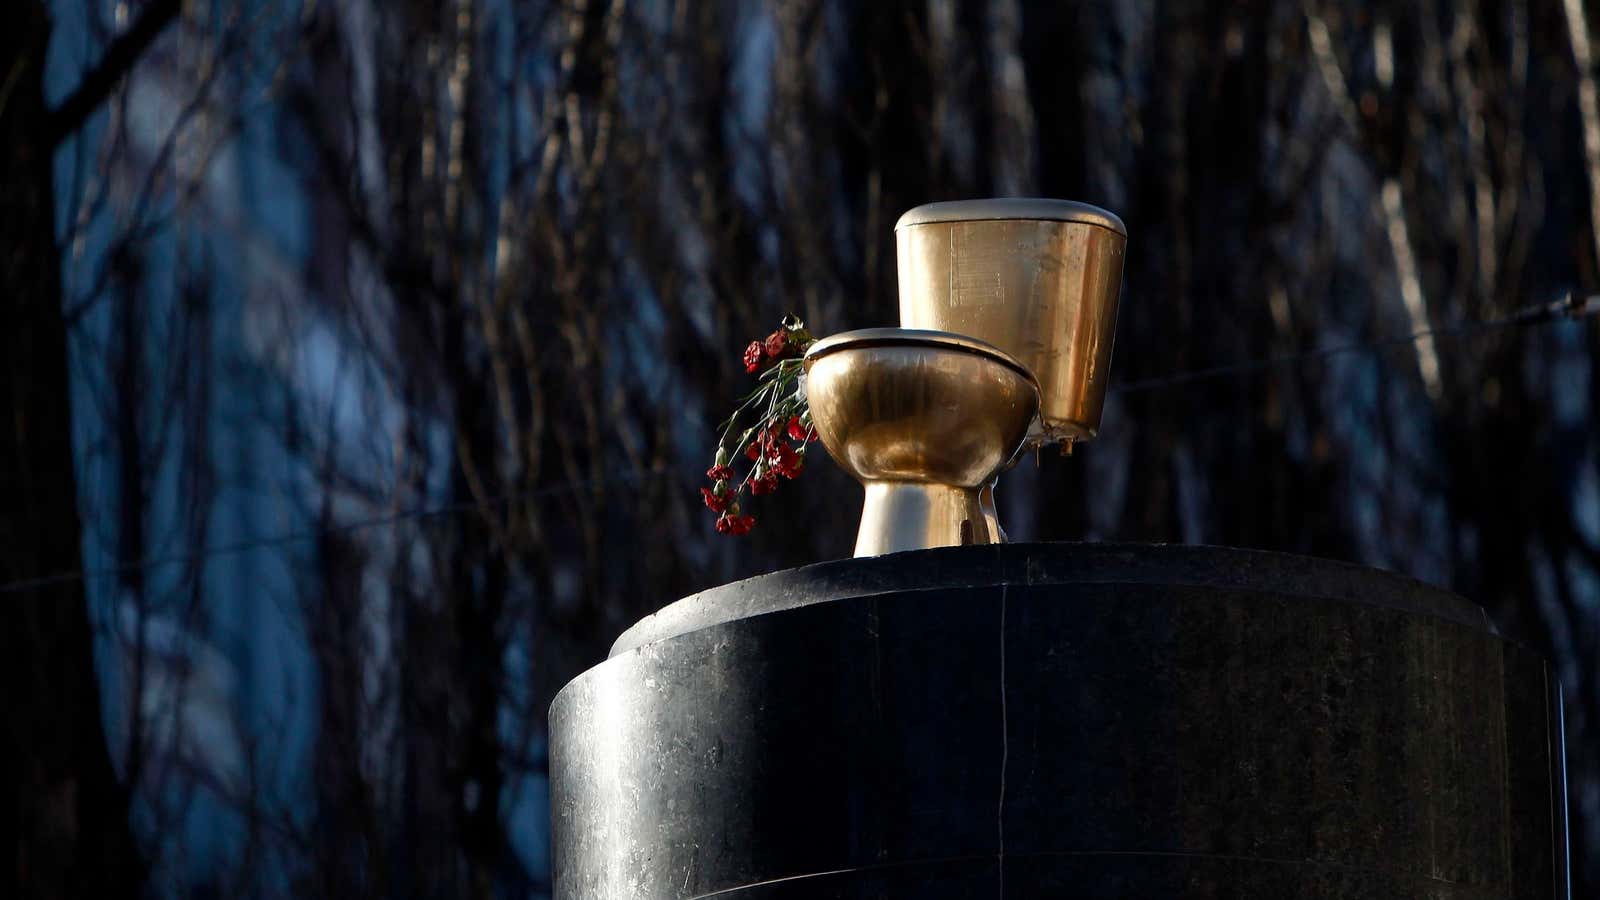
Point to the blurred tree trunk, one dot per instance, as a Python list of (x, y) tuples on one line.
[(63, 816)]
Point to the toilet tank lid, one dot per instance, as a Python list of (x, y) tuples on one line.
[(1011, 208)]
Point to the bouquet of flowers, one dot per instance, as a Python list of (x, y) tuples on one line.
[(770, 429)]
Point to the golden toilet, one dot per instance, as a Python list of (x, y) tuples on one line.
[(924, 420), (1008, 313)]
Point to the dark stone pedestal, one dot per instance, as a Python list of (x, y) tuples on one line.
[(1062, 720)]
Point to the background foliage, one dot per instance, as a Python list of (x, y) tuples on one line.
[(388, 339)]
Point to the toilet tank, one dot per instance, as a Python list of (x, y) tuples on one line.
[(1040, 279)]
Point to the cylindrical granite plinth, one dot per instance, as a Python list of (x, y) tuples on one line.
[(1062, 720)]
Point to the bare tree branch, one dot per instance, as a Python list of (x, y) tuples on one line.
[(119, 58)]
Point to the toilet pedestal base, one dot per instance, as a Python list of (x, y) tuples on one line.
[(905, 515)]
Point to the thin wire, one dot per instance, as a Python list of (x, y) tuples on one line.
[(1568, 307), (282, 540)]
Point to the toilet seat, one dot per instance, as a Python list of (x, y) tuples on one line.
[(915, 337)]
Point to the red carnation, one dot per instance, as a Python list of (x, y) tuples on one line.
[(798, 431), (716, 502), (775, 444), (784, 460), (765, 484), (772, 436)]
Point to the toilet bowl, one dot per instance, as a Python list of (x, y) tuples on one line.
[(925, 420)]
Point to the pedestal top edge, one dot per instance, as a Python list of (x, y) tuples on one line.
[(1051, 563)]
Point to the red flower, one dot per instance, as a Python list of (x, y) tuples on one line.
[(716, 502), (776, 446), (797, 431), (771, 436), (784, 460)]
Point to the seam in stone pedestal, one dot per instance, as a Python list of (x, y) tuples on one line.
[(1005, 746)]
